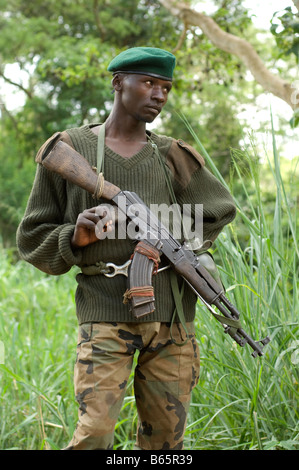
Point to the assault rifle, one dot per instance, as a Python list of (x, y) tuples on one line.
[(155, 240)]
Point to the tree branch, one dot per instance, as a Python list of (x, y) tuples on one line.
[(181, 38), (4, 109), (98, 20), (18, 85), (235, 45)]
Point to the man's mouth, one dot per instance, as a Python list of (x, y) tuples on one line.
[(155, 109)]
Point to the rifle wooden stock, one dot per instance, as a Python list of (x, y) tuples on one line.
[(72, 166)]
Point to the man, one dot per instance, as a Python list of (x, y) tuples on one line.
[(58, 231)]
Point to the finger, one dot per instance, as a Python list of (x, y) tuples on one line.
[(86, 224), (105, 211), (86, 218)]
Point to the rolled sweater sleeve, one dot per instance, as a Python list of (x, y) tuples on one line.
[(44, 235), (216, 205)]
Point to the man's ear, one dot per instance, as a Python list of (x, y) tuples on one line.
[(117, 82)]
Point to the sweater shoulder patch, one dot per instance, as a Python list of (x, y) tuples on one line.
[(191, 150), (49, 144), (183, 160)]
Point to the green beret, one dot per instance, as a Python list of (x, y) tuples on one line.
[(146, 61)]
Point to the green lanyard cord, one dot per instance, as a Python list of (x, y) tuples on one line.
[(101, 149)]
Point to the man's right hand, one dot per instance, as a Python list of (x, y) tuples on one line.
[(92, 225)]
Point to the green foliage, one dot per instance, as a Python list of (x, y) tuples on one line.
[(15, 184), (65, 48), (36, 391), (285, 28)]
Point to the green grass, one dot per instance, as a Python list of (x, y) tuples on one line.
[(38, 329), (240, 402)]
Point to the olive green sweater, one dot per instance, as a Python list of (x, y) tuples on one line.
[(44, 234)]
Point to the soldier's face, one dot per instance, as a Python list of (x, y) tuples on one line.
[(143, 96)]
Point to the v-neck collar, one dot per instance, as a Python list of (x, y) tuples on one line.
[(145, 152)]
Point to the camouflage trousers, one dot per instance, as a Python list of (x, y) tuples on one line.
[(164, 377)]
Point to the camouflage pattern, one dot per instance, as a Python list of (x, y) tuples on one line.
[(164, 377)]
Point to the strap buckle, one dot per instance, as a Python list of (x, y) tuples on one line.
[(114, 270)]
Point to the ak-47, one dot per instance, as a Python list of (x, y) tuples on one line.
[(155, 240)]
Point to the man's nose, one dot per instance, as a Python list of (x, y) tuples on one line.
[(158, 94)]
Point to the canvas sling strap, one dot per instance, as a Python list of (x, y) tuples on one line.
[(101, 149)]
